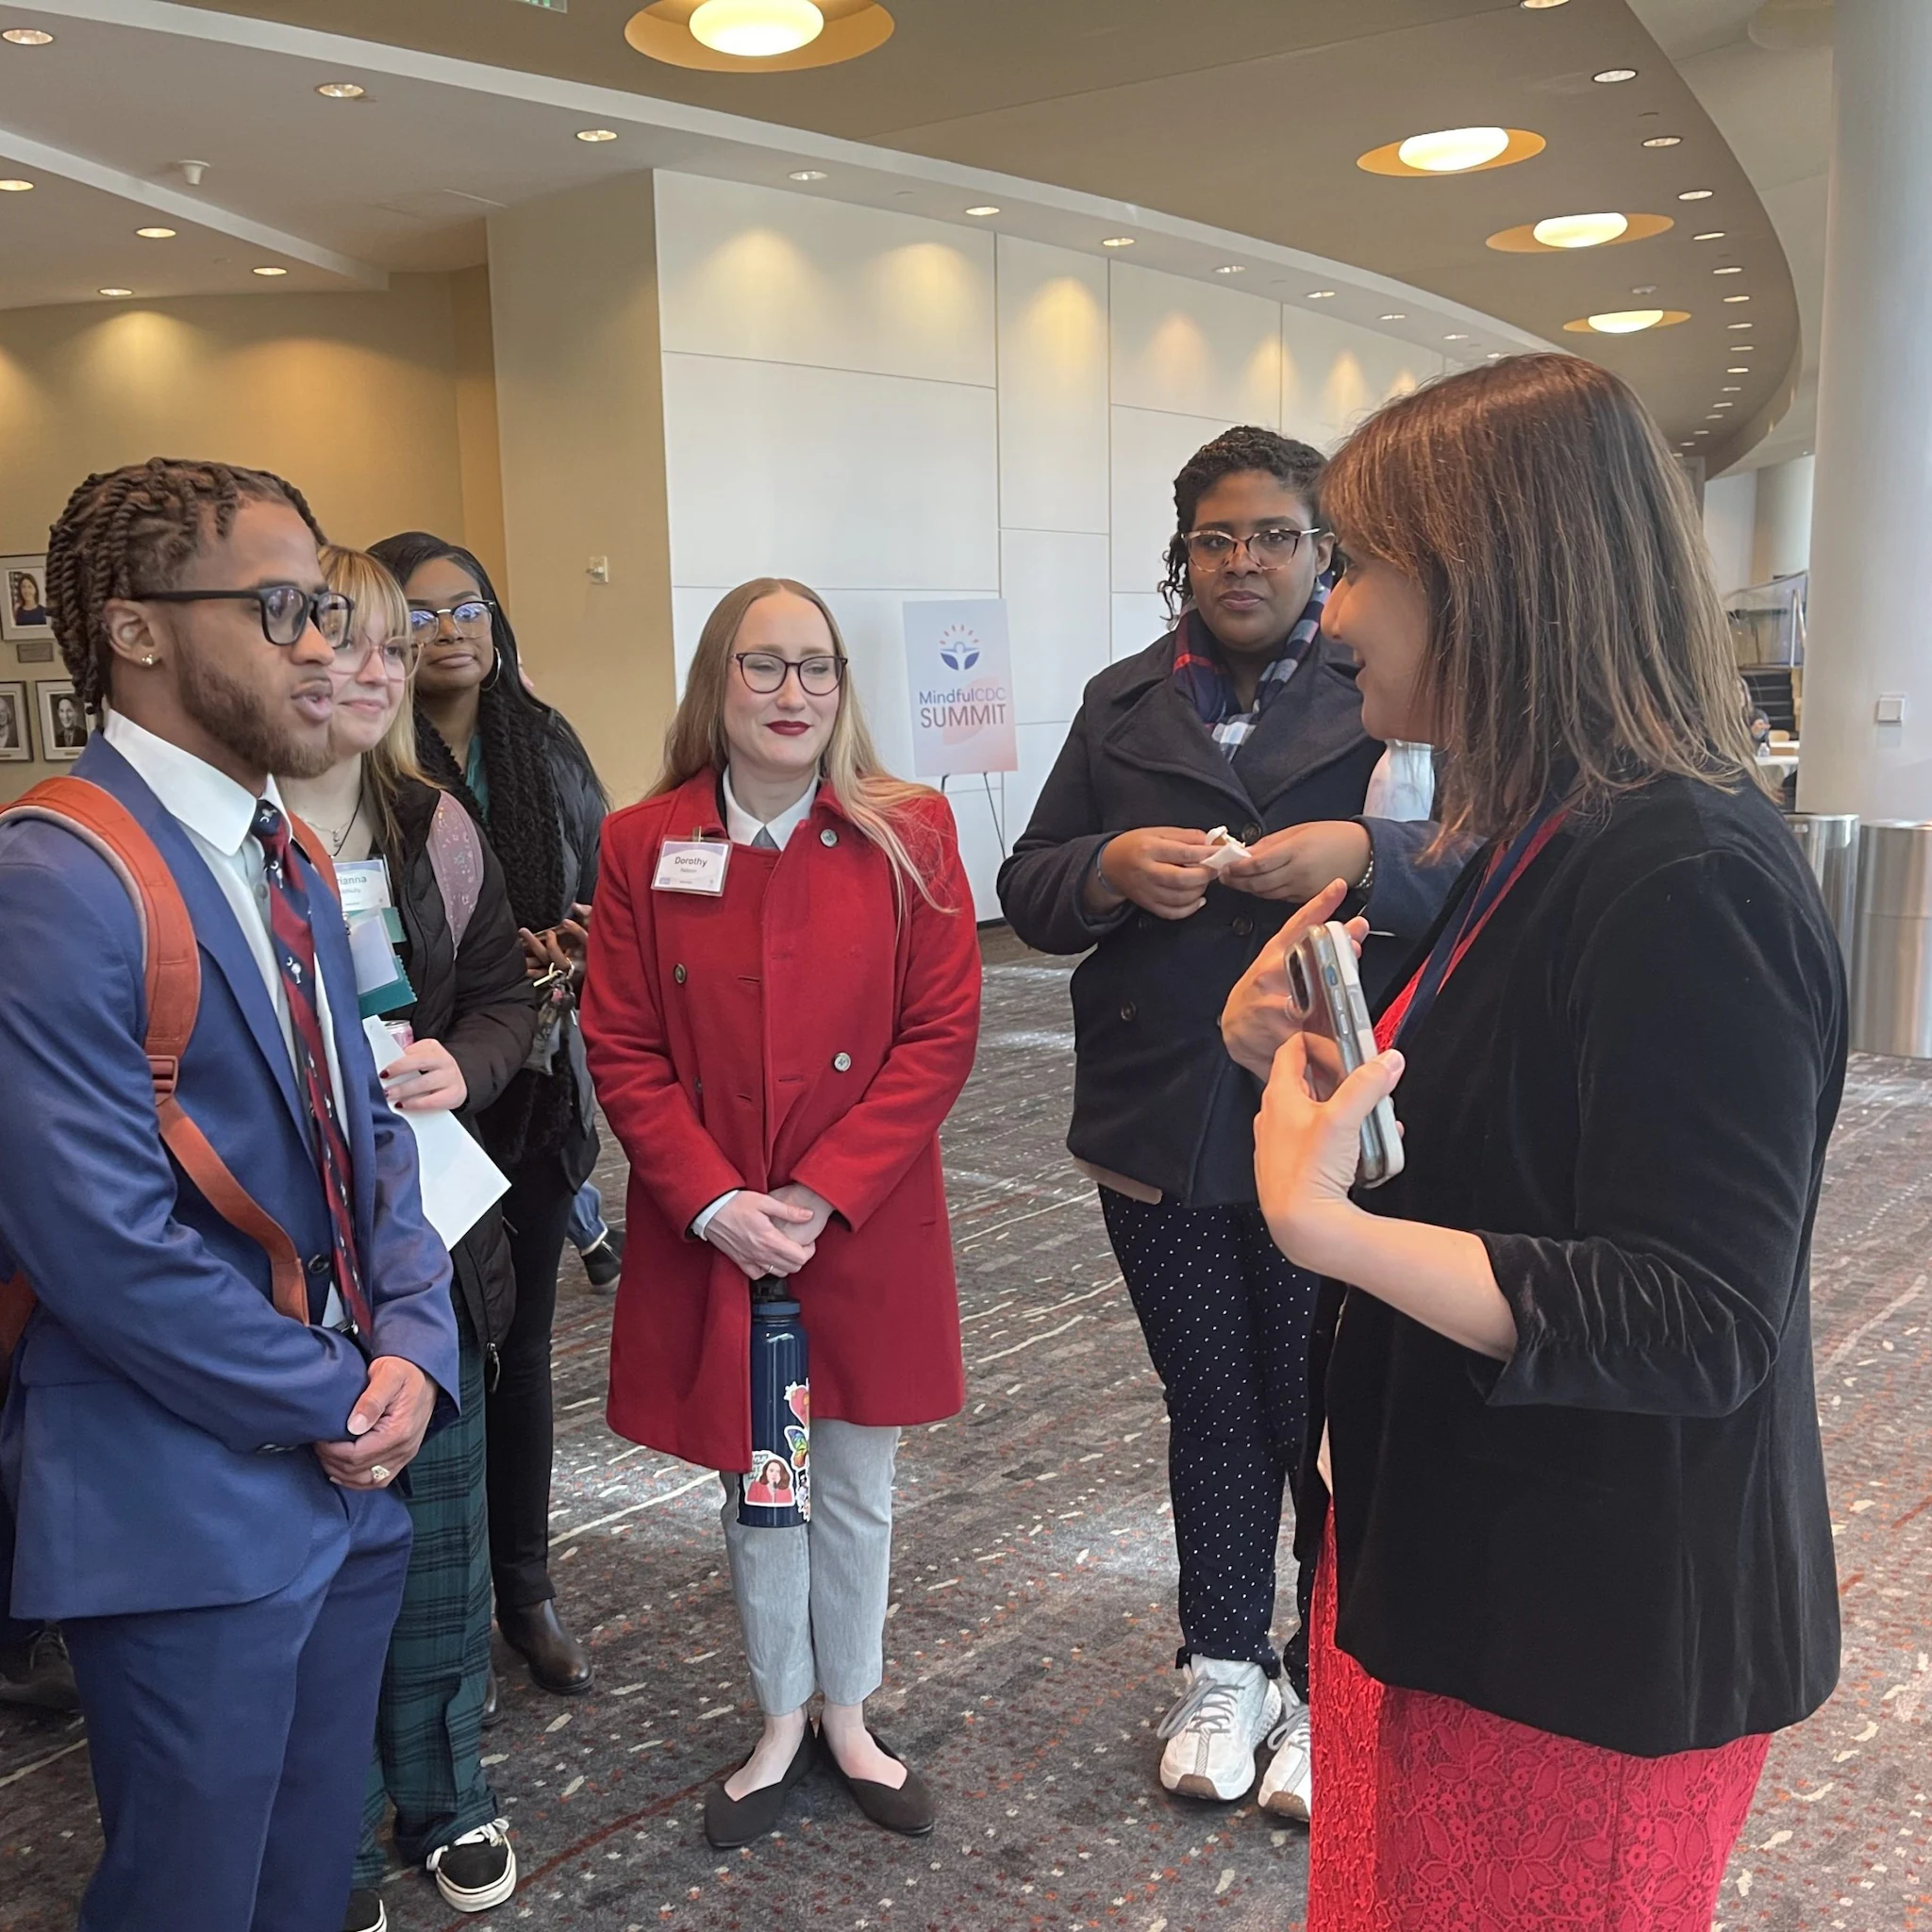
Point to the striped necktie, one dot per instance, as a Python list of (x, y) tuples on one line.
[(295, 947)]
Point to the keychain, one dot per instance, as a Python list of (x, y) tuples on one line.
[(554, 1004)]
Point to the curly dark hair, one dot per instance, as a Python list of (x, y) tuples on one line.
[(129, 531), (1298, 465)]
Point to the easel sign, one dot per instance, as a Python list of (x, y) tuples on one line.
[(959, 679)]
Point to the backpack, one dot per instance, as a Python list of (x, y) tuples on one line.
[(171, 963)]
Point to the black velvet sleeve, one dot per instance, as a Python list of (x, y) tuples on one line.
[(1706, 1011)]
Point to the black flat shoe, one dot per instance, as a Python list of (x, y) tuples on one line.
[(604, 1259), (492, 1709), (558, 1661), (730, 1822), (908, 1810)]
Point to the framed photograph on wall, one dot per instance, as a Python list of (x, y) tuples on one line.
[(24, 600), (16, 736), (63, 724)]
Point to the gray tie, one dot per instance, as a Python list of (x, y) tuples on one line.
[(764, 841)]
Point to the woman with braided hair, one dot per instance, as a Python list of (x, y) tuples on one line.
[(525, 772)]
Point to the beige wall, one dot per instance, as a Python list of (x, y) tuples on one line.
[(574, 296), (377, 407)]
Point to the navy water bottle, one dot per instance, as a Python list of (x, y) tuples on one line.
[(777, 1492)]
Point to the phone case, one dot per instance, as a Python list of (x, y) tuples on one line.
[(1326, 994)]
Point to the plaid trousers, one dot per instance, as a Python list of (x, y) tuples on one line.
[(429, 1721)]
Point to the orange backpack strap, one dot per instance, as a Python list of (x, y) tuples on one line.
[(171, 972)]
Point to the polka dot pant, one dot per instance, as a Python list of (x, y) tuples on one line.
[(1226, 1319)]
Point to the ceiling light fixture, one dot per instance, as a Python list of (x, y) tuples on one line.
[(1398, 314), (1456, 339), (756, 29), (595, 136), (1665, 140), (27, 37), (340, 91), (114, 292), (1622, 321), (1740, 370), (1723, 406), (1231, 268), (1644, 289), (1697, 194), (1737, 298), (1117, 242), (1700, 432), (1320, 294), (1579, 231), (1611, 75), (983, 210), (1541, 5), (1452, 150), (268, 270), (1709, 235), (1739, 325), (1728, 271), (16, 187), (807, 174), (156, 234), (1732, 389)]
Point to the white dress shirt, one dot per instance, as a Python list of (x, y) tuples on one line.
[(217, 815), (744, 829)]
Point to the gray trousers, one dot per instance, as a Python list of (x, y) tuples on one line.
[(812, 1600)]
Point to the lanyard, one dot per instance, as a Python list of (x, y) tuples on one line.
[(1506, 865)]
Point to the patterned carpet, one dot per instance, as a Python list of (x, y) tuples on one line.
[(1032, 1632)]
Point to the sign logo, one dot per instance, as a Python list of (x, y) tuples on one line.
[(958, 647)]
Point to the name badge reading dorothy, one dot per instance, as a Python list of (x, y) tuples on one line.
[(692, 865)]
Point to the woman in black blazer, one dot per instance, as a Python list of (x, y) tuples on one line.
[(1578, 1563)]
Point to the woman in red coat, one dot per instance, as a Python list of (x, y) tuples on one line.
[(777, 1026)]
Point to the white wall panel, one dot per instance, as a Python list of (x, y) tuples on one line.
[(1195, 349), (1149, 448), (1140, 618), (1333, 373), (838, 478), (1058, 611), (756, 273), (1052, 362)]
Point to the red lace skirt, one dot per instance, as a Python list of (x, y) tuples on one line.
[(1429, 1814)]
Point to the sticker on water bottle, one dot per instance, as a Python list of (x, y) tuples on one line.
[(781, 1478)]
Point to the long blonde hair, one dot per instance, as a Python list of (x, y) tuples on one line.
[(869, 795), (378, 599), (1576, 638)]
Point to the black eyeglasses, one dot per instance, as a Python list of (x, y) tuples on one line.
[(765, 672), (1272, 547), (286, 610), (471, 614)]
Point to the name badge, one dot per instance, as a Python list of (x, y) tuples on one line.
[(692, 865), (364, 887)]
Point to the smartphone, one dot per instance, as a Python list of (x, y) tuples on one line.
[(1325, 993)]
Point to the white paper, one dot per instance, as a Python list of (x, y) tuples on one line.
[(459, 1181)]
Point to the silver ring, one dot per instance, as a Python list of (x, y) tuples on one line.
[(379, 1474)]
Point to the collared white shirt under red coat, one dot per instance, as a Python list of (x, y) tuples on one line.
[(807, 1026)]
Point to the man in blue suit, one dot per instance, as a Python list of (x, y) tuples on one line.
[(199, 1482)]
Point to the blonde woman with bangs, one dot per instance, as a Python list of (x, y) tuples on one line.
[(468, 1020), (781, 1007)]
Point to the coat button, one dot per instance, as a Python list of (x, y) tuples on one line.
[(1127, 1009), (1249, 833), (841, 1063), (828, 837), (1244, 925), (677, 973), (318, 1264)]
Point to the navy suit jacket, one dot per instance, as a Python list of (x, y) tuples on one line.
[(156, 1378)]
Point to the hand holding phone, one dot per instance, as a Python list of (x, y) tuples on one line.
[(1325, 993)]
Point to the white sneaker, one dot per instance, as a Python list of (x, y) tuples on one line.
[(479, 1870), (1288, 1783), (1214, 1728)]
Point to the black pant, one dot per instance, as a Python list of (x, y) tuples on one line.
[(1226, 1319), (536, 1212)]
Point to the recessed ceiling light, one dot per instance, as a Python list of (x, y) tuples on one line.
[(1496, 355), (1728, 271), (1450, 150), (1539, 5), (1231, 268), (1697, 194), (1456, 339), (1723, 406), (1579, 231), (984, 209), (1320, 294), (1624, 322), (1739, 325), (1398, 314), (1709, 235), (27, 37), (268, 270), (1732, 389), (16, 187), (1737, 298), (1713, 419), (1665, 140), (1644, 289), (1700, 432), (807, 174), (1117, 242), (596, 136), (156, 234), (1740, 370), (340, 91), (1611, 75), (114, 292), (756, 29)]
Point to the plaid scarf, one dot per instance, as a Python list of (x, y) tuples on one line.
[(1201, 673)]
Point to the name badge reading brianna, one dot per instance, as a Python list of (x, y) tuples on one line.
[(692, 865)]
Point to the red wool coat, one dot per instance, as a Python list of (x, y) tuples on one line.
[(800, 1027)]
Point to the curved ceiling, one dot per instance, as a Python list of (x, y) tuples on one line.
[(1245, 116)]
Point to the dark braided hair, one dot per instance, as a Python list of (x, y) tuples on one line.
[(519, 734), (1298, 465), (126, 532)]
